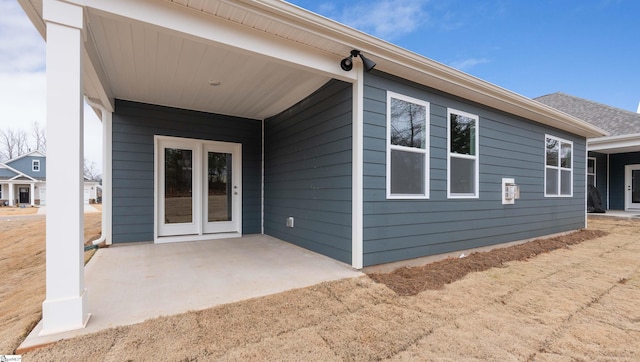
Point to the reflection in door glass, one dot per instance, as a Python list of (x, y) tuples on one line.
[(635, 186), (219, 186), (178, 182)]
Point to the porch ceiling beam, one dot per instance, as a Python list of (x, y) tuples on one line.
[(202, 27)]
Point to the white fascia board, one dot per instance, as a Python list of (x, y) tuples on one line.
[(620, 143), (201, 27), (35, 153), (34, 16)]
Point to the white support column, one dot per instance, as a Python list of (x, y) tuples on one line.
[(357, 169), (11, 188), (107, 206), (64, 308), (32, 194)]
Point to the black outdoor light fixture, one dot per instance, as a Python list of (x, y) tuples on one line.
[(347, 63)]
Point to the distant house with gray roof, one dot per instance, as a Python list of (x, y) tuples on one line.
[(614, 160)]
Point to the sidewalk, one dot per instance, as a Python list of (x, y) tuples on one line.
[(42, 210)]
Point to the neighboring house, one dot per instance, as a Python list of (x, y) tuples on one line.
[(23, 181), (614, 160), (228, 118)]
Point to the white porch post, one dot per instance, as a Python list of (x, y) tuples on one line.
[(11, 188), (107, 208), (32, 194), (357, 249), (64, 308)]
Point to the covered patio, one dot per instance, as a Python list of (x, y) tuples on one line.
[(135, 282)]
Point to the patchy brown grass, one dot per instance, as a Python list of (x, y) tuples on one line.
[(17, 211), (22, 261)]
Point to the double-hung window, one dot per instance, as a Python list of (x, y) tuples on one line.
[(35, 165), (558, 167), (462, 150), (407, 147)]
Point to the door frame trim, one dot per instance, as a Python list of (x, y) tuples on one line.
[(627, 183), (237, 212)]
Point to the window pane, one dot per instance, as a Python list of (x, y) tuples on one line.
[(565, 183), (552, 152), (591, 165), (408, 124), (463, 176), (565, 155), (178, 176), (552, 181), (591, 180), (407, 173), (219, 186), (463, 134)]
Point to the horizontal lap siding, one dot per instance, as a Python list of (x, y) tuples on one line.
[(134, 127), (308, 172), (509, 147)]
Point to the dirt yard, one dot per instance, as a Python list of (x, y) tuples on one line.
[(578, 302), (22, 262)]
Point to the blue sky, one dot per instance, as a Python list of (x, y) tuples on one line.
[(586, 48)]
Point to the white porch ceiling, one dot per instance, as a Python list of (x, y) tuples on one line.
[(149, 64)]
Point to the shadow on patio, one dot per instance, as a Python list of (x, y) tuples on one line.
[(128, 284)]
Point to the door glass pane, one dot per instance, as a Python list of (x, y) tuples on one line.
[(635, 186), (178, 192), (219, 186)]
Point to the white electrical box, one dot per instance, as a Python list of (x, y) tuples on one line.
[(510, 191), (290, 222)]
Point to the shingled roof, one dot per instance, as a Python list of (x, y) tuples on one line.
[(616, 121)]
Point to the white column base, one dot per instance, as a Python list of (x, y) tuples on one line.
[(64, 315)]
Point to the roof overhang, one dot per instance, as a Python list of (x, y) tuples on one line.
[(615, 144), (266, 54)]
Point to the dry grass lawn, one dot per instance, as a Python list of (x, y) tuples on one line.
[(17, 211), (579, 302), (22, 261)]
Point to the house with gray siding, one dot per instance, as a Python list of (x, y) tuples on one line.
[(23, 181), (228, 118), (613, 160)]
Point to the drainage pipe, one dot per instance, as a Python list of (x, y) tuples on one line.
[(103, 224)]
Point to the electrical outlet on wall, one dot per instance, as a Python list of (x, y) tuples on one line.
[(290, 222)]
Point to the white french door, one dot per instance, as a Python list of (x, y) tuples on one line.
[(632, 187), (198, 189)]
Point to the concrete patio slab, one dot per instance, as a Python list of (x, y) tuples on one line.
[(131, 283)]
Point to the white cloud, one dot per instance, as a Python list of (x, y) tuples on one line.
[(467, 64), (386, 19), (22, 48)]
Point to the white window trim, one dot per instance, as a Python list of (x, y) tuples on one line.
[(33, 165), (594, 173), (424, 151), (559, 167), (476, 157)]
